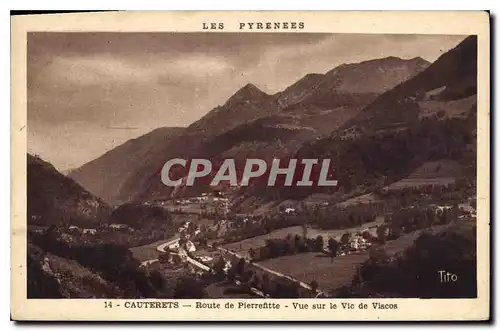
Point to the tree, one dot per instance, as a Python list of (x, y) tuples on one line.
[(367, 235), (304, 230), (299, 243), (314, 286), (189, 288), (333, 246), (218, 267), (251, 253), (395, 230), (381, 234), (164, 258), (231, 273), (378, 254), (176, 258), (345, 239), (240, 267), (290, 242), (319, 243), (265, 284)]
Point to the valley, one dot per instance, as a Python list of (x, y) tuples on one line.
[(402, 138)]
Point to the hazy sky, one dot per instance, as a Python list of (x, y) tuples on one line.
[(89, 92)]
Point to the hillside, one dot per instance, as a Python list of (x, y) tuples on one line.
[(396, 133), (453, 76), (349, 82), (254, 124), (72, 252), (105, 176), (247, 104), (56, 199), (249, 123), (58, 269)]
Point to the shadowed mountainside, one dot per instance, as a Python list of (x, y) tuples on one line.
[(253, 123)]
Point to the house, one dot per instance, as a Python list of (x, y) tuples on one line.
[(118, 226), (466, 208), (206, 259), (174, 246), (149, 263), (190, 247)]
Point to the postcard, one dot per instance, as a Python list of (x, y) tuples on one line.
[(251, 166)]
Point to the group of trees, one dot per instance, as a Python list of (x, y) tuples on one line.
[(416, 271), (335, 217), (324, 217), (293, 245), (53, 198), (114, 263), (250, 277), (390, 153), (407, 220), (452, 192), (146, 224)]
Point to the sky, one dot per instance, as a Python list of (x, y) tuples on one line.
[(90, 92)]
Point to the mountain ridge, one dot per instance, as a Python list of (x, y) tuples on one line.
[(317, 102)]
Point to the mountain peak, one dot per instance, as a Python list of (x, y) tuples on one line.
[(393, 60), (249, 92), (420, 60)]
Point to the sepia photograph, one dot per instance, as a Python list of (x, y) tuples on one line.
[(395, 114), (271, 163)]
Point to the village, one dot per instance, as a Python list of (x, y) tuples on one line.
[(205, 249)]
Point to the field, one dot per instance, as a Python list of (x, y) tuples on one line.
[(417, 182), (242, 247), (441, 172), (360, 199), (451, 108), (227, 291), (148, 252), (332, 275)]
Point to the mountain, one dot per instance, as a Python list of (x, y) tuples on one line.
[(250, 123), (313, 106), (56, 199), (106, 175), (453, 76), (59, 268), (429, 117), (367, 78), (62, 263), (247, 104)]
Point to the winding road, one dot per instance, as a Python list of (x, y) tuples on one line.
[(163, 247)]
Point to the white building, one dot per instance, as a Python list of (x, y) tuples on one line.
[(190, 247), (118, 226)]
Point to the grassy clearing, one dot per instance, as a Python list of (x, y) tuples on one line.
[(242, 247), (331, 275), (361, 199), (319, 267), (148, 252), (453, 108), (417, 182), (223, 290), (441, 172)]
